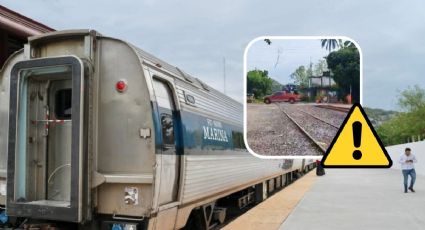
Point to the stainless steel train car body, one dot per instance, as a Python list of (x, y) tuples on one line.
[(160, 146)]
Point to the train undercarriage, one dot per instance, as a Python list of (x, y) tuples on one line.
[(209, 216)]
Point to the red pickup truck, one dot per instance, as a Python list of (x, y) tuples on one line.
[(282, 96)]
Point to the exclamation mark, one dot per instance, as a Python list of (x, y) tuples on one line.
[(357, 136)]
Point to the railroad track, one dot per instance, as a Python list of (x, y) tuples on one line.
[(316, 143), (320, 119), (336, 108)]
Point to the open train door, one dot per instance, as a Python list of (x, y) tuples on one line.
[(46, 148)]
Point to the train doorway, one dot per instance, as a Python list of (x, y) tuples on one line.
[(45, 155), (170, 160)]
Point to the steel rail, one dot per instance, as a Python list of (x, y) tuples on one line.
[(320, 119), (336, 108), (311, 138)]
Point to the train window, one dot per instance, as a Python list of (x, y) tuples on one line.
[(63, 104), (167, 129), (165, 103), (163, 95), (238, 142)]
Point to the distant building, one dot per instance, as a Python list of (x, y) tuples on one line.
[(14, 30), (322, 88), (321, 81)]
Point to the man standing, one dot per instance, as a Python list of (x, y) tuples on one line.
[(407, 161)]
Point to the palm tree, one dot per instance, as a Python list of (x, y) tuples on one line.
[(347, 44), (331, 44)]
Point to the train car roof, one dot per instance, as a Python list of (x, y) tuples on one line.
[(212, 101), (177, 72), (233, 107)]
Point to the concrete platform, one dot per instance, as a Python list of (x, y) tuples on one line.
[(270, 213), (360, 199)]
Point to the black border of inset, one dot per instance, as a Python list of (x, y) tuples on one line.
[(374, 134)]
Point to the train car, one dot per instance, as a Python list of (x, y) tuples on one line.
[(98, 134)]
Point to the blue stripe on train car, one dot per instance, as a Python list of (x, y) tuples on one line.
[(206, 133), (198, 132)]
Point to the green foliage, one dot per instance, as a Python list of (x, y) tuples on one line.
[(309, 71), (300, 76), (259, 83), (320, 67), (345, 66), (405, 125), (379, 116), (411, 98), (276, 86), (331, 44), (347, 44)]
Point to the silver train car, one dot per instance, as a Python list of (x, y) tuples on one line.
[(98, 134)]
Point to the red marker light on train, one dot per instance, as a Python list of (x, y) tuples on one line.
[(121, 86)]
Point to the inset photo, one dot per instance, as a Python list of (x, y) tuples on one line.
[(298, 92)]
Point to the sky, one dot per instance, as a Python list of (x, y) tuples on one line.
[(283, 56), (196, 35)]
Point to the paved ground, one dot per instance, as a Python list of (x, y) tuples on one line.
[(272, 212), (359, 199)]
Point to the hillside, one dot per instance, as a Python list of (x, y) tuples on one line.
[(379, 116), (276, 86)]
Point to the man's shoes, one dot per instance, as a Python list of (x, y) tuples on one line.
[(405, 191), (411, 189)]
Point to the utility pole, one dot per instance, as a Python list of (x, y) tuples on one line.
[(309, 93), (224, 75)]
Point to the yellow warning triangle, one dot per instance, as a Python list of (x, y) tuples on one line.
[(356, 145)]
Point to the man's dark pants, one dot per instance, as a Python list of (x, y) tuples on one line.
[(406, 173)]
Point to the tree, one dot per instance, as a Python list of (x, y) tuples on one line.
[(259, 83), (331, 44), (347, 44), (408, 124), (345, 67), (320, 67), (300, 76), (402, 127), (276, 86), (309, 71), (411, 98)]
